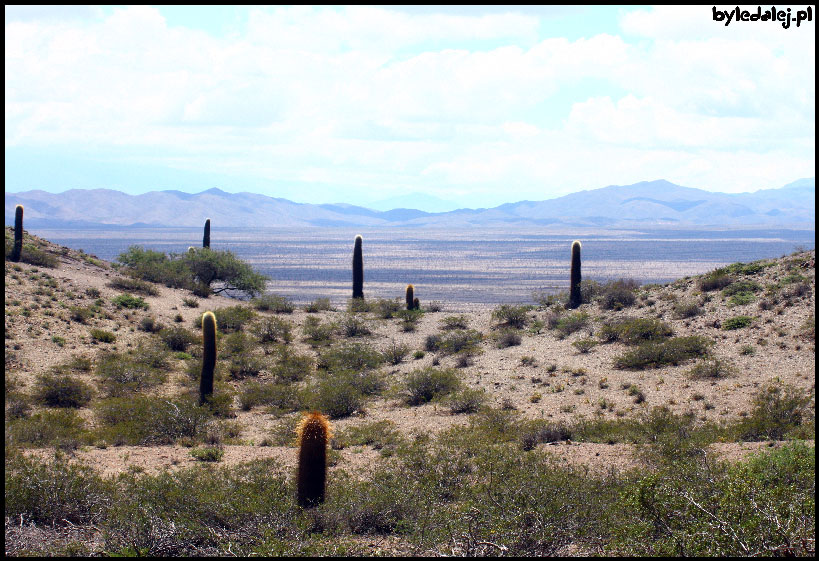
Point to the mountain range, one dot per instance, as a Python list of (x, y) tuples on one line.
[(647, 204)]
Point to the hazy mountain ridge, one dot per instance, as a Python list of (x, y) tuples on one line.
[(641, 204)]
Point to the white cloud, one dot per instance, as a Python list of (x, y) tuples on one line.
[(367, 97)]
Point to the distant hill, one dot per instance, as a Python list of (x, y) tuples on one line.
[(649, 203)]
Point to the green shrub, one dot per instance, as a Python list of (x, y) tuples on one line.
[(243, 365), (740, 299), (207, 453), (559, 301), (738, 287), (807, 330), (467, 400), (57, 389), (206, 509), (538, 431), (713, 368), (507, 338), (273, 303), (317, 333), (570, 323), (318, 305), (747, 350), (367, 382), (664, 352), (685, 310), (282, 397), (190, 302), (512, 316), (463, 341), (33, 255), (142, 421), (746, 268), (337, 398), (779, 410), (80, 315), (386, 309), (351, 356), (273, 330), (178, 338), (52, 492), (132, 285), (762, 506), (737, 322), (131, 302), (290, 366), (432, 342), (584, 345), (454, 322), (47, 428), (235, 344), (395, 353), (352, 325), (122, 374), (149, 325), (426, 384), (715, 280), (378, 434), (619, 294), (102, 336), (634, 331), (409, 319)]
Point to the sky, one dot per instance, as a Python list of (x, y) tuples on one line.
[(476, 106)]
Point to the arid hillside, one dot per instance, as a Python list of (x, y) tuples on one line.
[(102, 369)]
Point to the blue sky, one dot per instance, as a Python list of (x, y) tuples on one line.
[(475, 105)]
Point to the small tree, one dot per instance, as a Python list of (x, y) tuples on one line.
[(196, 270), (208, 266)]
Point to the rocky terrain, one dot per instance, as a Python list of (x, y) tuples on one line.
[(67, 319)]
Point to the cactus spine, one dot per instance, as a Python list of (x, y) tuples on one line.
[(206, 237), (410, 302), (18, 234), (208, 357), (314, 433), (574, 279), (358, 269)]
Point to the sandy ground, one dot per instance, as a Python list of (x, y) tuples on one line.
[(555, 381)]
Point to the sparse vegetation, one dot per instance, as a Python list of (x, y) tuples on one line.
[(712, 368), (511, 316), (568, 324), (671, 351), (430, 383), (737, 322), (195, 270), (58, 389), (273, 303), (634, 331), (128, 285), (470, 473)]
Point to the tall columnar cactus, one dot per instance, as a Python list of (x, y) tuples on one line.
[(18, 234), (206, 237), (358, 269), (409, 295), (314, 432), (574, 279), (208, 357)]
